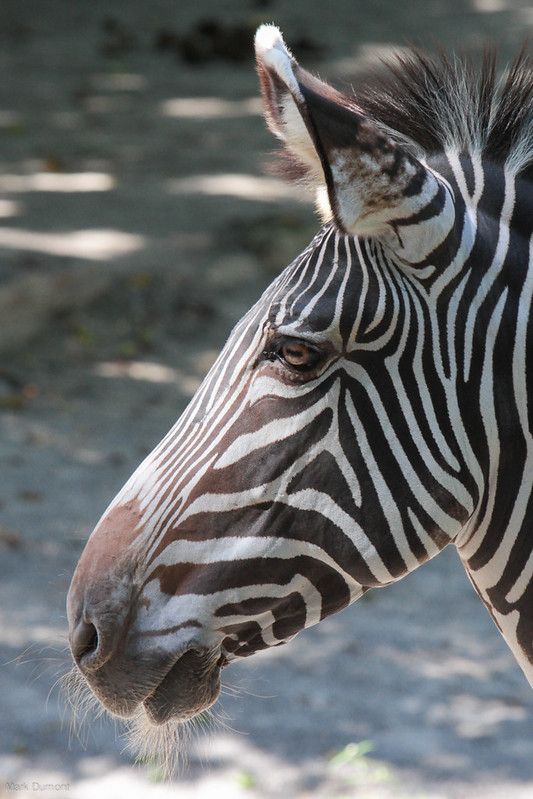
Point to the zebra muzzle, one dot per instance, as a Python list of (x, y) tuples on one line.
[(191, 685)]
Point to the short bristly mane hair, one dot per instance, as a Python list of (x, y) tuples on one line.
[(434, 103)]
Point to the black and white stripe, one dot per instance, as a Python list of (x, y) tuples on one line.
[(282, 495)]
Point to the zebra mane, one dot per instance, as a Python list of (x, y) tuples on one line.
[(447, 103), (434, 103)]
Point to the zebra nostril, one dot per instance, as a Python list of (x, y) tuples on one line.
[(84, 642)]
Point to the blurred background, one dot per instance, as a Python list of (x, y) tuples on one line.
[(137, 224)]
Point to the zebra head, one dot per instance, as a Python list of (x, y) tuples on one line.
[(324, 454)]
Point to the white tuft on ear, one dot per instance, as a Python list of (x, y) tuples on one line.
[(276, 56)]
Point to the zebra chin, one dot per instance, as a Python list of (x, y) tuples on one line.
[(165, 690)]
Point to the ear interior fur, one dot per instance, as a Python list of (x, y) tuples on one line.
[(300, 160), (319, 128)]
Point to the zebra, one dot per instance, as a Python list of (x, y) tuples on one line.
[(371, 408)]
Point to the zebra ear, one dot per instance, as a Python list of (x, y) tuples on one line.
[(375, 185)]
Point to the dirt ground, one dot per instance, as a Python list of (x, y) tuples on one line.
[(130, 154)]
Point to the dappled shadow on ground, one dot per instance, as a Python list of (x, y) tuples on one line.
[(130, 172), (124, 136)]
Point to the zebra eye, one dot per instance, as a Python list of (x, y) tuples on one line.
[(295, 353), (298, 354)]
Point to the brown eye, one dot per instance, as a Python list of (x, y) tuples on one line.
[(296, 353)]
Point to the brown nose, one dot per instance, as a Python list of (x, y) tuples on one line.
[(99, 610), (92, 644), (84, 642), (100, 600)]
